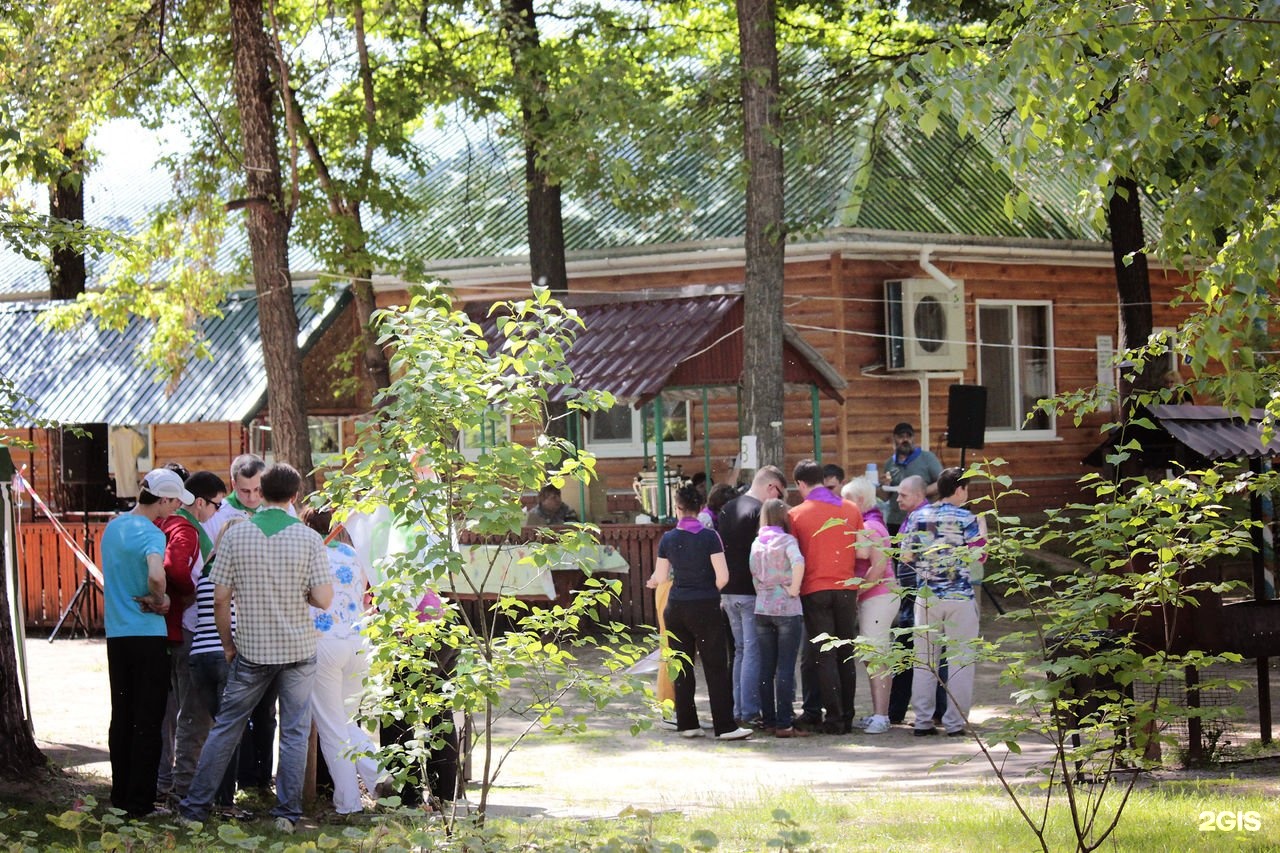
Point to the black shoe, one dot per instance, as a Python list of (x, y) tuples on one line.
[(932, 730), (957, 733), (897, 721), (805, 721)]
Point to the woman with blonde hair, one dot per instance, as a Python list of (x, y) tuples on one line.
[(877, 598)]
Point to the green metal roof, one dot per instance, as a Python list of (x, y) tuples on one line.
[(871, 172), (92, 375), (943, 184)]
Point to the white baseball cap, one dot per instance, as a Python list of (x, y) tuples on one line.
[(164, 483)]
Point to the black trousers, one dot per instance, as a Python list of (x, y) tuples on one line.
[(696, 628), (442, 763), (257, 746), (833, 612), (138, 670)]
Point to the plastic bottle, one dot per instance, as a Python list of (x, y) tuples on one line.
[(872, 474)]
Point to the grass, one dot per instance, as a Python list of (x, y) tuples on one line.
[(1157, 818), (1154, 820)]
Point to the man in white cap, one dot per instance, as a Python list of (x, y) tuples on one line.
[(137, 645)]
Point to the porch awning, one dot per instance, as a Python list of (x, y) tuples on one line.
[(636, 345)]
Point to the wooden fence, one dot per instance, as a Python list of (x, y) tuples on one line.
[(50, 573)]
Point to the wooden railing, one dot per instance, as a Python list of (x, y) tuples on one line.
[(50, 573)]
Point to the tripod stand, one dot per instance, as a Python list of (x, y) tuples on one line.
[(74, 607), (80, 599)]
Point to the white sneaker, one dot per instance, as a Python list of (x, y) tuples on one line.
[(864, 722), (876, 725), (692, 733), (283, 824), (736, 734)]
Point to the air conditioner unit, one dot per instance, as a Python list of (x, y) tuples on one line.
[(924, 322)]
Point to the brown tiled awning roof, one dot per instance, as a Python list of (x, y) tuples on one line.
[(1215, 432), (1192, 435), (636, 345)]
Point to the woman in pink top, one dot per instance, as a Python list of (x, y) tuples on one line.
[(877, 598)]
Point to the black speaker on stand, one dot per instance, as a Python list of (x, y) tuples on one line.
[(967, 428), (82, 465), (967, 418)]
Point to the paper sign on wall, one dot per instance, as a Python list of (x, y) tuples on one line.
[(749, 453), (1106, 362)]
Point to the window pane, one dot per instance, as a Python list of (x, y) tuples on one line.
[(995, 354), (611, 425), (325, 436), (675, 424), (495, 428), (1033, 363)]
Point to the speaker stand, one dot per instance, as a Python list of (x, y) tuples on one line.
[(994, 599), (74, 608)]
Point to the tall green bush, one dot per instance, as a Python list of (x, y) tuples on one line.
[(510, 659)]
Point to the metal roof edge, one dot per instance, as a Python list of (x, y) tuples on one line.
[(712, 254)]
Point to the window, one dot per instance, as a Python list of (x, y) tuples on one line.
[(1015, 363), (616, 432), (496, 428), (327, 440)]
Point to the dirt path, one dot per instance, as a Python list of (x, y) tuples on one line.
[(607, 769)]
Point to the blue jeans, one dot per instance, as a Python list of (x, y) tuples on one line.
[(741, 610), (247, 682), (778, 638), (208, 679)]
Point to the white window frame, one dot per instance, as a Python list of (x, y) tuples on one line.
[(1019, 432), (634, 446)]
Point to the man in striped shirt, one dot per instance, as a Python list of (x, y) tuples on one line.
[(942, 542), (274, 567), (200, 637)]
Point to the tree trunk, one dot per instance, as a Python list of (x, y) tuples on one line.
[(1133, 283), (66, 201), (268, 226), (762, 394), (542, 195), (19, 754)]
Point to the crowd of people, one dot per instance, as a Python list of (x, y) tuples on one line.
[(232, 619), (756, 587)]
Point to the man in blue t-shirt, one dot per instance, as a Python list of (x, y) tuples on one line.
[(137, 639), (908, 460)]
